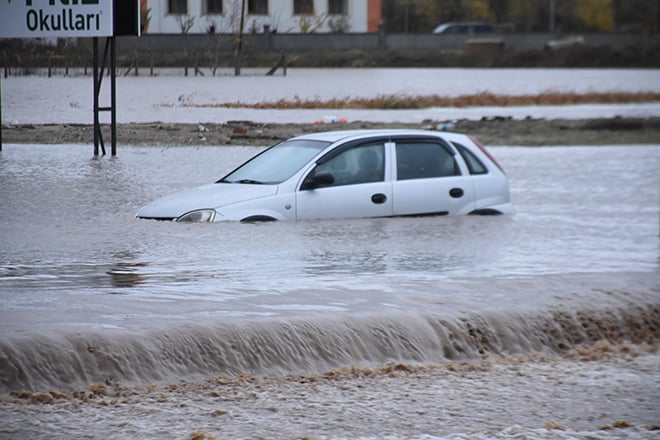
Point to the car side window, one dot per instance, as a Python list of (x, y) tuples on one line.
[(361, 164), (422, 160), (473, 163)]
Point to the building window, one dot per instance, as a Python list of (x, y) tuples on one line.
[(257, 7), (474, 164), (177, 7), (303, 7), (338, 7), (213, 7)]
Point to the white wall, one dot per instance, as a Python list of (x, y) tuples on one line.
[(280, 18)]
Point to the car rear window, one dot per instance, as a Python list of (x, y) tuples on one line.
[(483, 29), (421, 160), (473, 163)]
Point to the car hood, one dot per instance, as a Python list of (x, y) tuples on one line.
[(214, 195)]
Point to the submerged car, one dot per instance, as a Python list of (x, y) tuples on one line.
[(350, 174)]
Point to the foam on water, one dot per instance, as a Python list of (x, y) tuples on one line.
[(613, 395)]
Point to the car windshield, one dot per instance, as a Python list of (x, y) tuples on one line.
[(276, 164)]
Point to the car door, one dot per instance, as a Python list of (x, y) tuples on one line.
[(429, 179), (360, 184)]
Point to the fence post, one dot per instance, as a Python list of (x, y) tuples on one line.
[(382, 39), (268, 38)]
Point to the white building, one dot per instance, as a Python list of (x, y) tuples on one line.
[(283, 16)]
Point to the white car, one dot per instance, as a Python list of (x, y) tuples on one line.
[(350, 174), (465, 28)]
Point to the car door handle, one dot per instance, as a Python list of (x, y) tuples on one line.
[(456, 193), (379, 198)]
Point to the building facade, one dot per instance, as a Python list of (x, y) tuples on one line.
[(282, 16)]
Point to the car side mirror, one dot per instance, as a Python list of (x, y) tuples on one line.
[(317, 180)]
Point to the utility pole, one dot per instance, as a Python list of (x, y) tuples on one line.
[(239, 42), (551, 16), (406, 15), (0, 113)]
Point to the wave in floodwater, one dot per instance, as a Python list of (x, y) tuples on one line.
[(71, 360), (89, 294)]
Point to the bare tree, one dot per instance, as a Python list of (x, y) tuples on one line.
[(186, 22)]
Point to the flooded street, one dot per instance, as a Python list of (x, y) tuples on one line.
[(539, 325), (91, 295), (499, 399), (173, 98), (72, 232)]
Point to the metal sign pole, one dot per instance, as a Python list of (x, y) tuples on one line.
[(113, 95), (95, 73), (93, 18), (0, 112), (98, 81)]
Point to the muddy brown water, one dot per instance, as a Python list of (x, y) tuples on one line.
[(91, 295)]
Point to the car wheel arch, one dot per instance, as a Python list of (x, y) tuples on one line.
[(258, 218)]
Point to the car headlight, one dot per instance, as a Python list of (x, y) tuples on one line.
[(199, 216)]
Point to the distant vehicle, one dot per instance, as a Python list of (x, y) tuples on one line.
[(464, 28), (350, 174), (563, 43)]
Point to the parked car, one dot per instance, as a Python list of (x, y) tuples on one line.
[(464, 28), (349, 174)]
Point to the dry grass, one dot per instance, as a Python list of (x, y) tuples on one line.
[(389, 102)]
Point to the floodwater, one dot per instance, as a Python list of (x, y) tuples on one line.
[(539, 325), (179, 329), (172, 98)]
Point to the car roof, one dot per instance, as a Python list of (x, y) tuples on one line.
[(441, 27), (465, 23), (343, 135)]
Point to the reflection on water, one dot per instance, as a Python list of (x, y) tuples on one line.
[(125, 274), (71, 242)]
